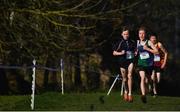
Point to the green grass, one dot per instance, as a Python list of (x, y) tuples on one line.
[(88, 101)]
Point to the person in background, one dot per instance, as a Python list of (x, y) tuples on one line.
[(124, 50), (145, 51), (160, 60)]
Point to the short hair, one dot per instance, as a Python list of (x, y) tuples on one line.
[(153, 34), (142, 28), (125, 28)]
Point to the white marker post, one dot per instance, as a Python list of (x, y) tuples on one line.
[(113, 84), (62, 79), (33, 84)]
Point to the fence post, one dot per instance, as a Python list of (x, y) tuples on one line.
[(33, 84), (62, 79)]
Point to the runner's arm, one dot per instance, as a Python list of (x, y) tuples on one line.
[(165, 55), (153, 50), (116, 49), (116, 53)]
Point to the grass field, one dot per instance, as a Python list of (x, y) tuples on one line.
[(88, 101)]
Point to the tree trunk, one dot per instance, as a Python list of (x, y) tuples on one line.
[(69, 71), (3, 82), (177, 35), (77, 77), (46, 74)]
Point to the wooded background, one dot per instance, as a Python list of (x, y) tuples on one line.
[(81, 32)]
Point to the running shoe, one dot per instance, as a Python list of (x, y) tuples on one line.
[(143, 99)]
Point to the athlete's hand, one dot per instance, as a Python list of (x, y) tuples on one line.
[(162, 66), (135, 53), (145, 47), (123, 52)]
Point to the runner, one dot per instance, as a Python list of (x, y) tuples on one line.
[(160, 60), (125, 51), (145, 50)]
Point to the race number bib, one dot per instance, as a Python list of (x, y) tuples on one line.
[(144, 55), (129, 55), (157, 57)]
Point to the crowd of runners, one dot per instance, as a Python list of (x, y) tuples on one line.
[(151, 60)]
